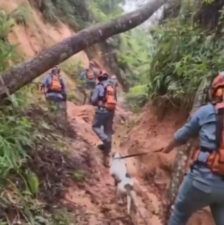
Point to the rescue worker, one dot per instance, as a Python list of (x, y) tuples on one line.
[(53, 88), (88, 78), (204, 184), (104, 98), (113, 79)]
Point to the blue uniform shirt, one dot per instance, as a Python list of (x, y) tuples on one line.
[(203, 124), (99, 92)]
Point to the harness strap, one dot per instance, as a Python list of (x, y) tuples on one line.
[(219, 127)]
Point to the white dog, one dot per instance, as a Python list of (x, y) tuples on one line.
[(124, 183)]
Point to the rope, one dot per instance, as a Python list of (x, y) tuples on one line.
[(139, 154)]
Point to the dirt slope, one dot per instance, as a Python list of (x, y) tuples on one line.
[(94, 202), (37, 35)]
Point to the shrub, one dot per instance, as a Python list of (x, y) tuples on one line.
[(183, 55), (72, 68), (22, 15), (6, 24), (137, 97)]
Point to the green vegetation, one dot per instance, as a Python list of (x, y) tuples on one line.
[(22, 15), (184, 54), (74, 13), (175, 57), (80, 13), (7, 53), (72, 67), (79, 176), (133, 59), (134, 56), (30, 180), (104, 10), (137, 97)]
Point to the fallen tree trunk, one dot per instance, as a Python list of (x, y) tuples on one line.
[(26, 72)]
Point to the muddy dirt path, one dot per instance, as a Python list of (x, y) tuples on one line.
[(95, 198)]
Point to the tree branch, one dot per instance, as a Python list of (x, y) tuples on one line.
[(24, 73)]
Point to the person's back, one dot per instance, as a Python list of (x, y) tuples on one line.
[(102, 97), (54, 87)]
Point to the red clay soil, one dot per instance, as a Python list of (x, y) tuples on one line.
[(95, 198), (93, 201)]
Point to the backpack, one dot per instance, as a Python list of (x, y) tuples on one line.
[(216, 158), (110, 100), (55, 85)]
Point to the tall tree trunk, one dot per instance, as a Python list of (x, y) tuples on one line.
[(26, 72)]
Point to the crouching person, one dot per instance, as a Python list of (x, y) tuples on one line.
[(104, 98)]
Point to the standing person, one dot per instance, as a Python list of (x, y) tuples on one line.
[(204, 184), (104, 98), (53, 88), (114, 81), (88, 83)]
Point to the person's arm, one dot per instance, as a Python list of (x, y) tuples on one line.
[(44, 85), (95, 94), (190, 129), (83, 75), (64, 93), (98, 95)]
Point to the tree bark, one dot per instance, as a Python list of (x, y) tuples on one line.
[(24, 73)]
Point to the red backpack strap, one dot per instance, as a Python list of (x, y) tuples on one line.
[(219, 112)]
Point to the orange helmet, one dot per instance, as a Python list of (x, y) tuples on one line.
[(218, 81), (217, 86)]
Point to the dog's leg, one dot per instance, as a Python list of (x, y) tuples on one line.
[(119, 195), (133, 199), (129, 201)]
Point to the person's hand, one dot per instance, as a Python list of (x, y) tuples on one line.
[(158, 150), (169, 147)]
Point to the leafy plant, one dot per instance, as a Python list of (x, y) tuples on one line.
[(14, 139), (72, 67), (103, 10), (49, 11), (74, 13), (22, 14), (32, 181), (132, 44), (137, 97), (6, 24), (79, 175), (183, 55)]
